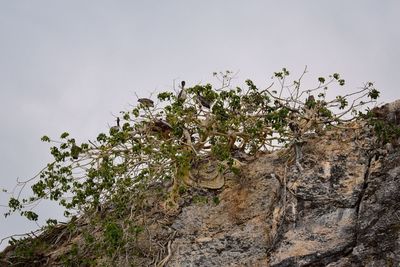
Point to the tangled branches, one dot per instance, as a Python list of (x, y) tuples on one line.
[(163, 140)]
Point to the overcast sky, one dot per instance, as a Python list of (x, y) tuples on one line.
[(72, 65)]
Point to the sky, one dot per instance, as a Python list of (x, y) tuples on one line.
[(73, 65)]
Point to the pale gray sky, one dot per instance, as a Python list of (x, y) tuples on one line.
[(69, 65)]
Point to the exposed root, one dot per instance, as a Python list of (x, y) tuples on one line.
[(166, 259), (299, 155)]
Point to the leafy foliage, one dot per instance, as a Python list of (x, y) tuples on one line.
[(162, 141)]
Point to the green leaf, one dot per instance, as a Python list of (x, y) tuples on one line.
[(373, 94), (14, 204), (285, 71), (102, 137), (165, 96), (45, 138), (64, 135), (75, 150), (126, 116), (30, 215)]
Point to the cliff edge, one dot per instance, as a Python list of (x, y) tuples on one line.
[(341, 209)]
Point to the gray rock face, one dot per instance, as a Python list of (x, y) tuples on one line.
[(389, 112), (232, 233), (342, 210)]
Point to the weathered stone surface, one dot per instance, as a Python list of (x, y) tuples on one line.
[(389, 112), (234, 232), (342, 209)]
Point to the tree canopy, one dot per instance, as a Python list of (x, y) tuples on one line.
[(162, 140)]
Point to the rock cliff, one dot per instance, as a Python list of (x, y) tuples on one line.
[(341, 209)]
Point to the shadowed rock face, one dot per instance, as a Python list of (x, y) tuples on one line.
[(347, 212)]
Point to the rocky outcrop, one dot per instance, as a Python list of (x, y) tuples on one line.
[(389, 112), (342, 208)]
